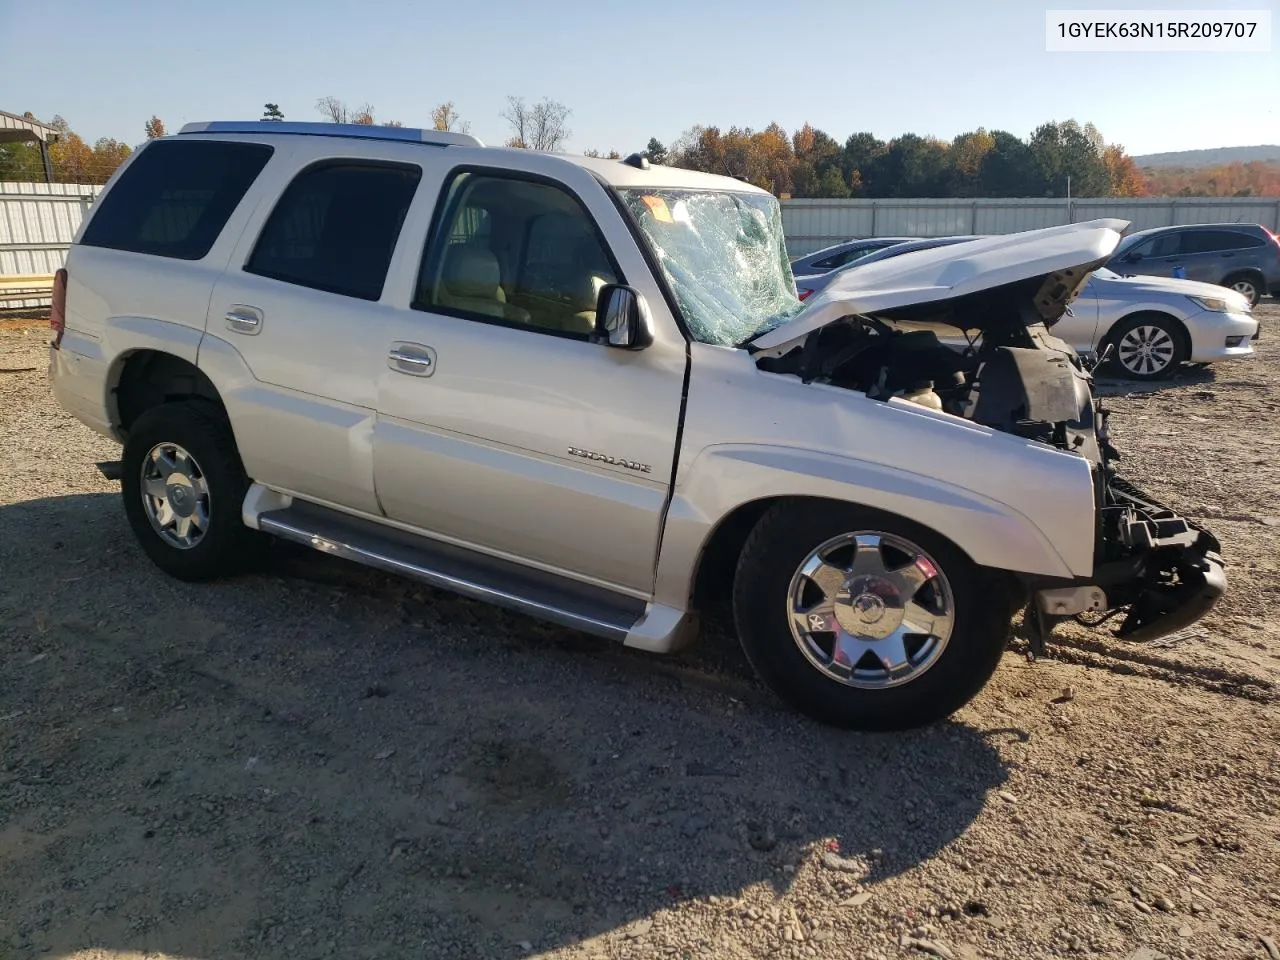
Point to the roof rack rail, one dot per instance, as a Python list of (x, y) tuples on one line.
[(351, 130)]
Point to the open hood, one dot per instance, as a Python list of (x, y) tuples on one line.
[(1059, 258)]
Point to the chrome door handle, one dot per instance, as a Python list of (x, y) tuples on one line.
[(244, 319), (414, 359)]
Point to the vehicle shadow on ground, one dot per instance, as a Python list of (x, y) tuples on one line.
[(1109, 383), (322, 760)]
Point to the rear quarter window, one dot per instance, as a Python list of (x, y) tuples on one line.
[(174, 199)]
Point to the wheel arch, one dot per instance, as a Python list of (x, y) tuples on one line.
[(1253, 273), (713, 575), (145, 378), (1174, 321)]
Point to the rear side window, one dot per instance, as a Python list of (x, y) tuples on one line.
[(336, 227), (1211, 241), (174, 199)]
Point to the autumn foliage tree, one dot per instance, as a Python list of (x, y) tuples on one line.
[(1258, 178), (445, 118), (72, 159), (979, 163), (154, 127)]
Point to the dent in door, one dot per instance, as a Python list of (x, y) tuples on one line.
[(280, 431)]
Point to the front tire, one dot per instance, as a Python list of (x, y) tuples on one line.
[(864, 620), (1148, 347), (183, 486)]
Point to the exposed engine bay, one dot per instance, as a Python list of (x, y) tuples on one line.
[(1035, 388), (1003, 368)]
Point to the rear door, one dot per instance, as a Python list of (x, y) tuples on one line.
[(295, 321), (1213, 255), (500, 425)]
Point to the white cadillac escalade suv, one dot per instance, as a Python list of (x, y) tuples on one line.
[(585, 389)]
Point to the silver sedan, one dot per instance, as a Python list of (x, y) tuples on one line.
[(1154, 324)]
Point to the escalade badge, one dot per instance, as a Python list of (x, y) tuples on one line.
[(615, 461)]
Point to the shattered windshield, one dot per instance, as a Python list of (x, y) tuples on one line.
[(724, 258)]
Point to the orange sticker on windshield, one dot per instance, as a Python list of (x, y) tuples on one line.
[(658, 207)]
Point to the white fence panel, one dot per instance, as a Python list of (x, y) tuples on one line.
[(37, 224), (813, 224)]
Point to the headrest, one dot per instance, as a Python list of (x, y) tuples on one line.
[(471, 271)]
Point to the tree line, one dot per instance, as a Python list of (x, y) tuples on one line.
[(1058, 158)]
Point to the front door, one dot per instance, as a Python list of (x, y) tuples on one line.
[(500, 425), (1078, 326), (1157, 257)]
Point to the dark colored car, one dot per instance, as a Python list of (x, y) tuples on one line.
[(841, 254), (1242, 256)]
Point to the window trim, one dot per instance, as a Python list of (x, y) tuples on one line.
[(403, 166), (256, 146), (432, 251)]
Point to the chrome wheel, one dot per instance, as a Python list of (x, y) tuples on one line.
[(870, 610), (175, 495), (1248, 288), (1146, 349)]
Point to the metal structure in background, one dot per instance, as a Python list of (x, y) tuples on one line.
[(37, 224), (16, 129), (813, 224)]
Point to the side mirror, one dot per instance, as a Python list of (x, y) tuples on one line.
[(622, 318)]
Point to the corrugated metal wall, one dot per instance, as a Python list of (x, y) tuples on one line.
[(814, 224), (37, 223)]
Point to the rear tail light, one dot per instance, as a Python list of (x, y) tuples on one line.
[(802, 293), (58, 310)]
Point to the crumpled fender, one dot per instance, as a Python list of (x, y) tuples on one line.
[(992, 533)]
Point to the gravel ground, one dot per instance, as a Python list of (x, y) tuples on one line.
[(328, 762)]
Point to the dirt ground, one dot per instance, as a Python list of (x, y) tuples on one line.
[(328, 762)]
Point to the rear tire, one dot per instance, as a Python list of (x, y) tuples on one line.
[(944, 636), (1148, 346), (183, 486), (1248, 284)]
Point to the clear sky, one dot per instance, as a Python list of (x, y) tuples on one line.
[(627, 71)]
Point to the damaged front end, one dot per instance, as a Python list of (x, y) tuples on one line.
[(989, 356), (1158, 569)]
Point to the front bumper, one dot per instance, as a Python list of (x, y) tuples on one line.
[(1210, 334), (1181, 575), (1164, 571)]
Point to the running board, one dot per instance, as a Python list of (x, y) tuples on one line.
[(502, 583)]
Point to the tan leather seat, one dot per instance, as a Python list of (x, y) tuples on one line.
[(584, 321), (471, 281)]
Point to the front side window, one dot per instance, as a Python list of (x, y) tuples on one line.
[(723, 256), (515, 251), (336, 226), (1164, 245)]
